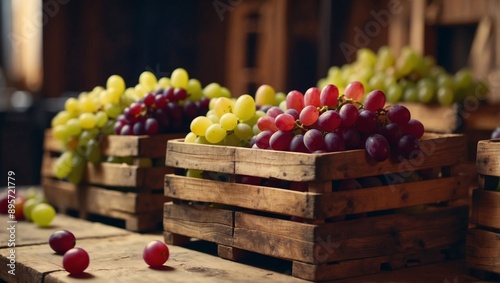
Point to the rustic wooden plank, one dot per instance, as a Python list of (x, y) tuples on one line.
[(392, 196), (483, 250), (488, 157), (201, 222), (124, 146), (486, 208), (200, 156), (242, 195)]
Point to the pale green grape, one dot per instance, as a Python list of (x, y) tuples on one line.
[(215, 133), (425, 93), (228, 121), (213, 117), (116, 82), (60, 132), (243, 131), (366, 57), (377, 82), (394, 93), (163, 82), (86, 136), (179, 78), (445, 96), (140, 91), (101, 118), (410, 94), (201, 140), (232, 140), (43, 214), (88, 104), (148, 81), (194, 90), (259, 113), (199, 125), (73, 127), (72, 106), (223, 105), (256, 129), (464, 79), (244, 108), (114, 96), (87, 120), (93, 151), (389, 80), (194, 173), (265, 95), (407, 62), (78, 164), (445, 80), (224, 92), (28, 206), (63, 165), (385, 58), (212, 90), (113, 110), (108, 128), (279, 97), (190, 137), (61, 118)]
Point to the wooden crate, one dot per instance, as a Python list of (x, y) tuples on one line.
[(483, 240), (386, 227), (130, 194)]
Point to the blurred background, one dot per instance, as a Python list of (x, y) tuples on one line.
[(53, 49)]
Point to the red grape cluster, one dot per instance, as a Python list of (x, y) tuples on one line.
[(324, 121), (165, 110)]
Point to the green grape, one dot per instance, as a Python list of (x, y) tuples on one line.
[(104, 97), (377, 82), (93, 151), (194, 173), (113, 110), (116, 82), (201, 140), (224, 92), (28, 206), (243, 131), (61, 118), (407, 62), (445, 80), (63, 165), (86, 136), (73, 127), (232, 140), (265, 95), (147, 80), (140, 91), (87, 120), (279, 97), (410, 94), (71, 105), (394, 93), (101, 118), (108, 128), (464, 78), (223, 105), (199, 125), (366, 57), (213, 117), (194, 90), (445, 96), (228, 121), (425, 94), (385, 58), (390, 80), (259, 113), (283, 107), (88, 104), (60, 132), (215, 133), (99, 89), (114, 96), (212, 90), (256, 129), (163, 82), (43, 214), (179, 78), (78, 165), (244, 108), (190, 137)]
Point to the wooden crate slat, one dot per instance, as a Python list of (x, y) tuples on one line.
[(483, 250), (116, 145), (488, 157), (242, 195), (200, 156), (486, 208), (215, 225), (393, 196)]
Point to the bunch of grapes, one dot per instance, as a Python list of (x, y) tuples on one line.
[(324, 121), (169, 107), (228, 122), (83, 123), (409, 77)]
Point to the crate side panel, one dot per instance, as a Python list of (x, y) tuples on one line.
[(142, 146), (486, 208), (483, 250), (488, 157)]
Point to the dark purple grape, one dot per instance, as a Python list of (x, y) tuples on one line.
[(149, 99), (367, 121), (297, 144), (174, 112), (119, 125), (262, 139), (314, 140), (160, 101), (414, 128), (392, 132), (334, 142), (399, 114), (203, 104), (190, 109), (375, 100), (126, 130), (169, 93), (295, 114), (281, 140), (138, 128), (349, 115), (161, 116), (179, 94), (135, 108), (378, 147), (151, 126), (352, 138), (408, 147)]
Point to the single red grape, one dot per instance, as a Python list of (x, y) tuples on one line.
[(62, 241), (156, 253), (76, 260)]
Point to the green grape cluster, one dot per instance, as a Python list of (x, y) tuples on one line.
[(82, 124), (408, 77), (229, 121)]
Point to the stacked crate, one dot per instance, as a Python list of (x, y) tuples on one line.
[(129, 193), (483, 240), (327, 234)]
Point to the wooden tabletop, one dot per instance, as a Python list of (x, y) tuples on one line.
[(116, 256)]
